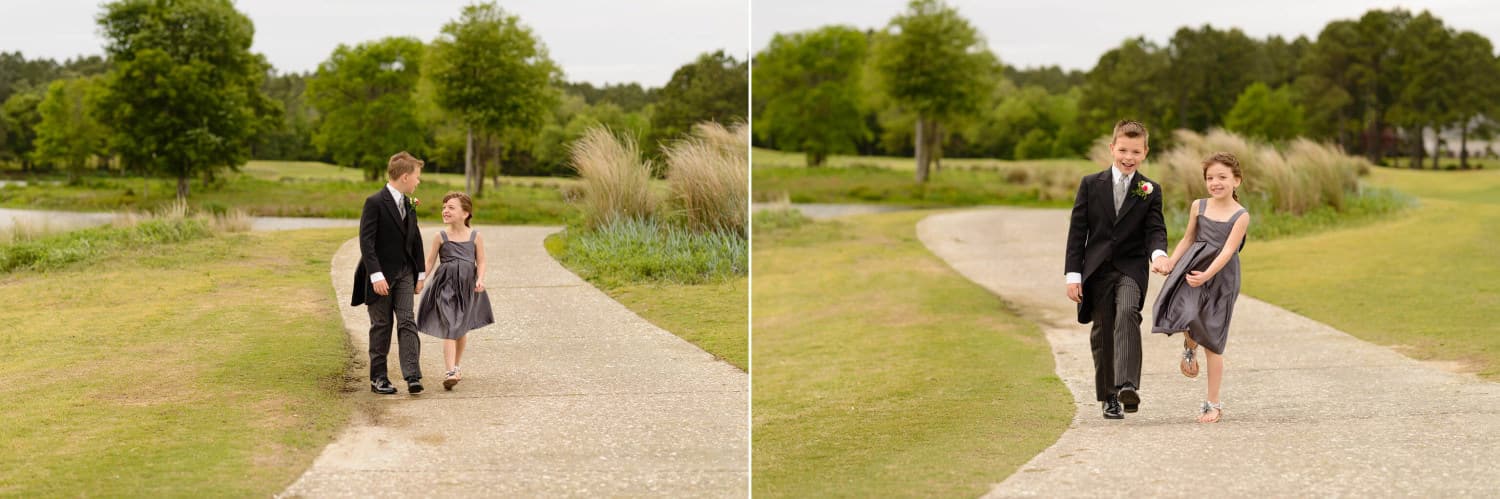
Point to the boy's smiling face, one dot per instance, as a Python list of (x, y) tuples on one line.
[(1128, 153)]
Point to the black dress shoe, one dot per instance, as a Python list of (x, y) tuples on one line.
[(1130, 398), (413, 386), (382, 387), (1112, 409)]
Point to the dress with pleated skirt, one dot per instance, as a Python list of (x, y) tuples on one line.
[(450, 307), (1203, 311)]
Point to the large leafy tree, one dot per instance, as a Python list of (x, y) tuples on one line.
[(496, 75), (365, 96), (1208, 68), (1476, 92), (20, 118), (714, 87), (933, 64), (1266, 114), (68, 133), (184, 97), (807, 87), (1129, 81), (1422, 91)]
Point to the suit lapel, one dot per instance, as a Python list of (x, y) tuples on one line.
[(390, 206), (1130, 197)]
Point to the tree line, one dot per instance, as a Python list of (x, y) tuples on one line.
[(483, 97), (927, 85)]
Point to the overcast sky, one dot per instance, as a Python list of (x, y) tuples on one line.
[(1073, 34), (599, 41)]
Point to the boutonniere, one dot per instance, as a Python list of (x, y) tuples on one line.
[(1143, 189), (412, 202)]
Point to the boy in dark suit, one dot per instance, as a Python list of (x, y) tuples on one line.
[(391, 272), (1116, 221)]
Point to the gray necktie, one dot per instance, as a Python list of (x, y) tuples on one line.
[(401, 207), (1120, 188)]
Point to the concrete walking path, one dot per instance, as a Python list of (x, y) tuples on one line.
[(1309, 411), (568, 394)]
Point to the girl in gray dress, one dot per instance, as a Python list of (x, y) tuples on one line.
[(456, 301), (1199, 293)]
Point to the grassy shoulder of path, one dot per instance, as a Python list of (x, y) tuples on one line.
[(888, 180), (684, 284), (295, 189), (1425, 283), (211, 367), (879, 371)]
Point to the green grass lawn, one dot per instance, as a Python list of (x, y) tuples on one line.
[(211, 367), (297, 190), (880, 372), (1426, 282), (686, 286)]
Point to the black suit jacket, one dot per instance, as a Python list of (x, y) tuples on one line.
[(1096, 237), (386, 242)]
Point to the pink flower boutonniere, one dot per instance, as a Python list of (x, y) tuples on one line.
[(413, 202), (1143, 189)]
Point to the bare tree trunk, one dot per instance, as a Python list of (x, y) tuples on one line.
[(1420, 147), (937, 146), (922, 152), (496, 177), (182, 187), (469, 161), (1437, 146), (1463, 145), (479, 167)]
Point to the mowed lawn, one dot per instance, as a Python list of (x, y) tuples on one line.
[(1426, 282), (880, 372), (209, 368), (297, 189)]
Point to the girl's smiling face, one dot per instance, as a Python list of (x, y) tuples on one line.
[(1220, 180), (453, 213)]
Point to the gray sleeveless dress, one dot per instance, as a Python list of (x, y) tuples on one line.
[(1205, 310), (450, 307)]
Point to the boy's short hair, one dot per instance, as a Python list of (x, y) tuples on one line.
[(402, 163), (1130, 129)]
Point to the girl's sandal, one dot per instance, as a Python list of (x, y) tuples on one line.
[(1189, 364), (450, 378), (1218, 410)]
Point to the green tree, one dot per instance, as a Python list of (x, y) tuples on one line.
[(807, 85), (1129, 81), (21, 118), (292, 137), (184, 96), (1266, 114), (68, 132), (365, 96), (714, 87), (1207, 70), (1422, 90), (1477, 95), (935, 66), (495, 74)]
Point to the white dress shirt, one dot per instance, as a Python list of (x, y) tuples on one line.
[(400, 208), (1077, 278)]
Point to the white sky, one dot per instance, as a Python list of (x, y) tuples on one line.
[(1073, 34), (598, 41)]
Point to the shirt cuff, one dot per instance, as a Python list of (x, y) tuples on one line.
[(421, 276), (1157, 253), (1073, 278), (377, 277)]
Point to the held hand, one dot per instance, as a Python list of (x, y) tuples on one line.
[(1162, 266), (1197, 278), (1075, 293), (478, 286), (419, 287), (382, 288)]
